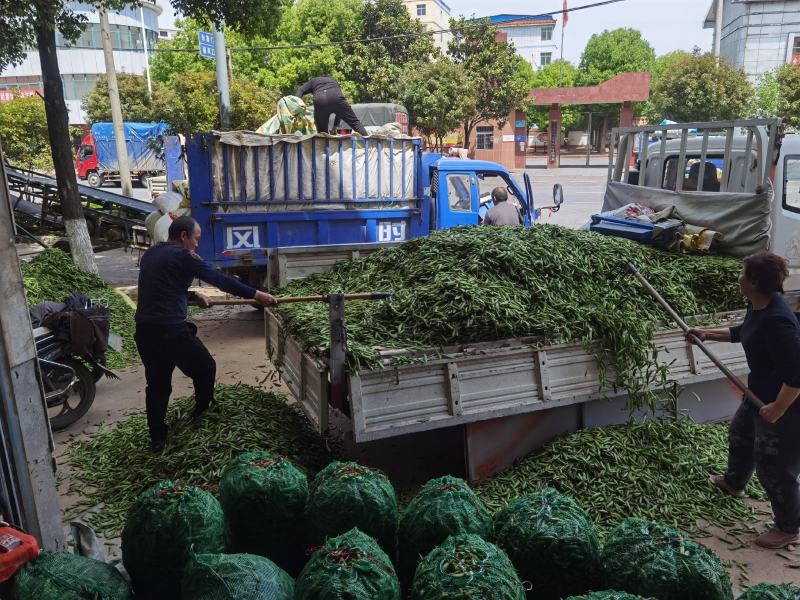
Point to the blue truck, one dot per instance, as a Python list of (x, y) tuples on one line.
[(277, 208), (97, 158)]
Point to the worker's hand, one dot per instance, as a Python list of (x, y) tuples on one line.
[(700, 334), (265, 299), (202, 300), (771, 413)]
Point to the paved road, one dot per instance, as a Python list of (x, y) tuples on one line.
[(583, 192)]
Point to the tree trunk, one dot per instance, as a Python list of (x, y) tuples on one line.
[(468, 127), (60, 147)]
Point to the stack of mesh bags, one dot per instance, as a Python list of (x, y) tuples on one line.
[(466, 566), (63, 576), (235, 577), (351, 566), (552, 542), (443, 507), (163, 525), (771, 591), (344, 495), (264, 499), (650, 559)]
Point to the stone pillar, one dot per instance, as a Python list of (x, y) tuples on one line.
[(554, 137), (626, 120), (520, 124)]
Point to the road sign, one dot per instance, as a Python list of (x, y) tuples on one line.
[(206, 40)]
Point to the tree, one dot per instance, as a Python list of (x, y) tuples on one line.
[(23, 132), (494, 67), (189, 105), (250, 17), (788, 79), (550, 77), (376, 68), (696, 88), (662, 65), (766, 96), (133, 96), (613, 52), (438, 97), (179, 55), (313, 21)]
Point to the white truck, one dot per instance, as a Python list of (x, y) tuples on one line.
[(509, 398)]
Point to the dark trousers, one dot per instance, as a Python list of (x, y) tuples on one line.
[(325, 106), (163, 348), (772, 450)]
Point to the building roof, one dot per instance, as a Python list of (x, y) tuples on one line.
[(518, 19), (442, 4), (625, 87)]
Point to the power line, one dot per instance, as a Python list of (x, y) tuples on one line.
[(384, 38)]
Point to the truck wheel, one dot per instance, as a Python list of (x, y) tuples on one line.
[(144, 179), (94, 179)]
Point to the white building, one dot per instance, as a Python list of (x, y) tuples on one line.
[(82, 61), (435, 15), (758, 35), (167, 33), (534, 37)]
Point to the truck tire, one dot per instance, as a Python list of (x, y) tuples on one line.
[(94, 179)]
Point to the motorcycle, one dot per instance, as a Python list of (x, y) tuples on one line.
[(69, 381)]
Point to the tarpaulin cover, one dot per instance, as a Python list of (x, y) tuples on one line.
[(742, 219), (142, 142), (313, 172)]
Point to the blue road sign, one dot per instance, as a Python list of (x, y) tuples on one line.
[(206, 40)]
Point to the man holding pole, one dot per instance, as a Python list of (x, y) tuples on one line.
[(164, 338)]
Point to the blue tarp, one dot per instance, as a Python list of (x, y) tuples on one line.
[(142, 141)]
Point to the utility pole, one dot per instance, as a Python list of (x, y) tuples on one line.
[(718, 29), (222, 77), (146, 54), (116, 110)]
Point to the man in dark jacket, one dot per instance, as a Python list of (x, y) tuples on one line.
[(503, 212), (329, 100), (164, 338)]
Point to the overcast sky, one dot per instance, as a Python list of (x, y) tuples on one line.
[(667, 24)]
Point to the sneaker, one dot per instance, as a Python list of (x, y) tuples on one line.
[(722, 483), (775, 539), (158, 446)]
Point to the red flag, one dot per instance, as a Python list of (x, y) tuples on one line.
[(565, 15)]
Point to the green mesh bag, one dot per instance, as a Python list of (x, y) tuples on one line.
[(235, 577), (264, 499), (771, 591), (609, 595), (162, 526), (64, 576), (443, 507), (466, 566), (552, 542), (650, 559), (345, 495), (351, 566)]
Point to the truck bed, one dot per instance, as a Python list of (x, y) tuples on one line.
[(473, 383)]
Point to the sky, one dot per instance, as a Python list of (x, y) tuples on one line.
[(679, 28)]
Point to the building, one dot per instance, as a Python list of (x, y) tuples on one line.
[(167, 33), (534, 37), (81, 62), (435, 15), (758, 35)]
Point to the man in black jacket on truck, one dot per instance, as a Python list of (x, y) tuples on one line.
[(164, 338), (329, 100)]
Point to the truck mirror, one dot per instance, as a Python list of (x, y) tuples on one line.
[(558, 194)]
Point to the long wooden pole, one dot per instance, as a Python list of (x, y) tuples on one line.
[(694, 339), (296, 299)]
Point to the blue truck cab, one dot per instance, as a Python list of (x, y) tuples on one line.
[(255, 196)]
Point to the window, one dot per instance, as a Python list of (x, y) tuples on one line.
[(691, 174), (421, 10), (545, 58), (459, 194), (484, 138), (547, 33), (796, 51), (791, 183)]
